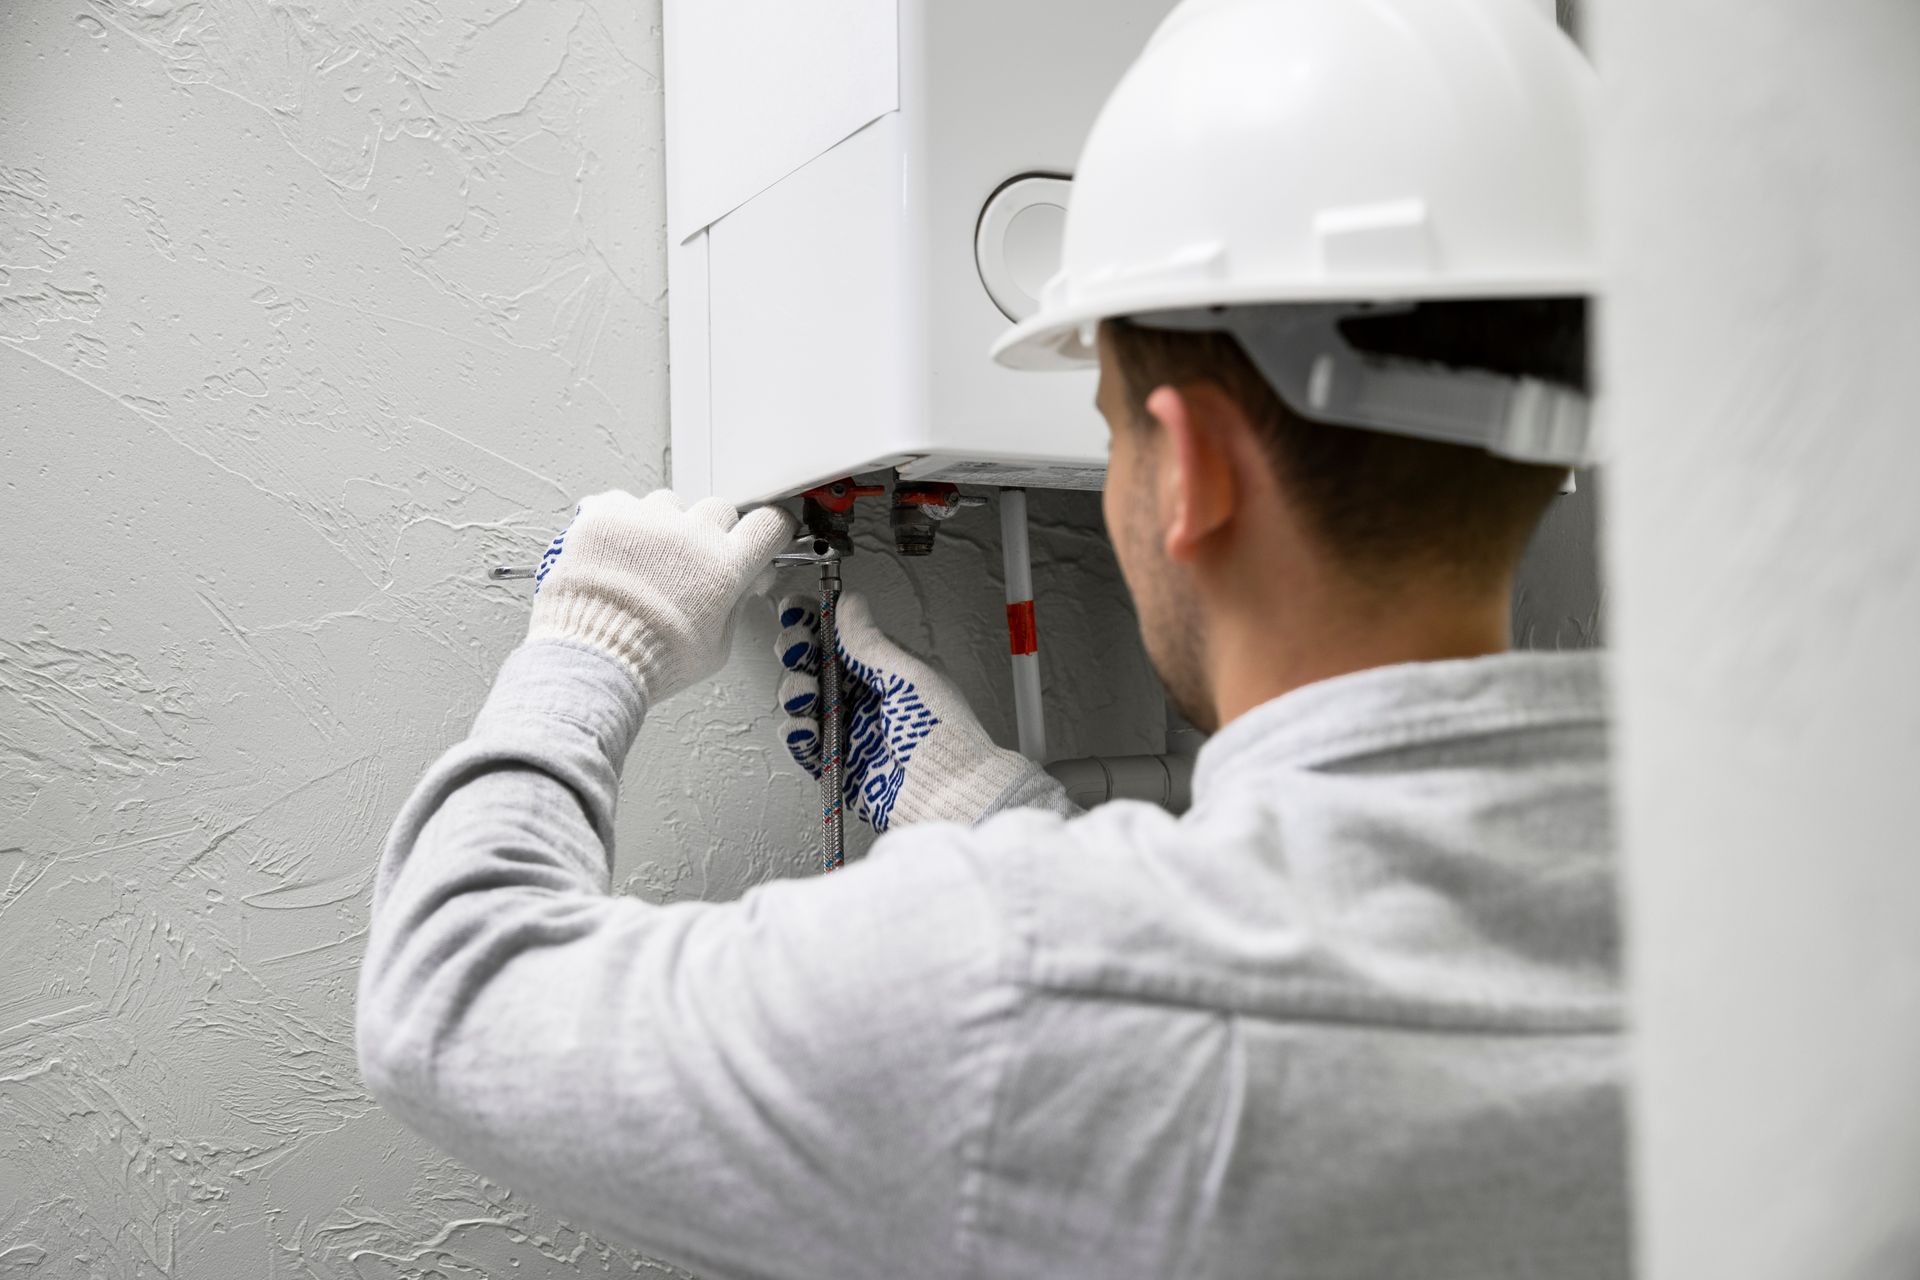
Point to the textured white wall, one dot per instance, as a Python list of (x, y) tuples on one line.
[(308, 314), (1762, 195)]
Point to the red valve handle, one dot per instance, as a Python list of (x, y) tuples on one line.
[(837, 496), (933, 494)]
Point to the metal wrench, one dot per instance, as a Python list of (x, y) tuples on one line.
[(818, 551)]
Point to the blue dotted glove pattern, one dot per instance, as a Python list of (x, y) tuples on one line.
[(885, 718), (800, 687), (551, 554)]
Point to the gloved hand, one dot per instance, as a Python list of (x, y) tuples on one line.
[(653, 584), (914, 751)]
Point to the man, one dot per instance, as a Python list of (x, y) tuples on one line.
[(1357, 1012)]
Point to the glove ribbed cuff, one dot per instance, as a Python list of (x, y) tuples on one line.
[(1036, 790), (606, 626), (966, 779)]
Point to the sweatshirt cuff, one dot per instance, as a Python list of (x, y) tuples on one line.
[(570, 681)]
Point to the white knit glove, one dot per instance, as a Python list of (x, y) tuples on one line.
[(914, 751), (653, 584)]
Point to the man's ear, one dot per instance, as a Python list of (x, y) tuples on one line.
[(1196, 479)]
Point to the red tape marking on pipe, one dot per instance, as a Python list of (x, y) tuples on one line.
[(1022, 637)]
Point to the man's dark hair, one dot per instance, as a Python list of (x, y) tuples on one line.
[(1385, 504)]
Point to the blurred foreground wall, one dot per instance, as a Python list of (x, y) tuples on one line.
[(1761, 186)]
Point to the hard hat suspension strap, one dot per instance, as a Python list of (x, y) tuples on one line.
[(1302, 353)]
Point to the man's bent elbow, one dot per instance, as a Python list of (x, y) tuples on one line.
[(392, 1061)]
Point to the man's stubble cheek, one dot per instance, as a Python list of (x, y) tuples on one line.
[(1171, 628)]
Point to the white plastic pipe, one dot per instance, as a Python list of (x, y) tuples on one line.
[(1165, 780), (1023, 637)]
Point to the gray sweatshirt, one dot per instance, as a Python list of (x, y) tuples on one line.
[(1356, 1014)]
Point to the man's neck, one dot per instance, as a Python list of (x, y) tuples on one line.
[(1259, 655)]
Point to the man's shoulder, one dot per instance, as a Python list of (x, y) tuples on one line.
[(1396, 884)]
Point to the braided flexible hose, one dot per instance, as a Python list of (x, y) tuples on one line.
[(832, 831)]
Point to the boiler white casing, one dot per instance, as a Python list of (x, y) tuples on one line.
[(829, 171)]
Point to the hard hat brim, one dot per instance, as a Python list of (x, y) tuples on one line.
[(1062, 338), (1047, 342)]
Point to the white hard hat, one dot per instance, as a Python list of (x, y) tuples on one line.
[(1263, 154)]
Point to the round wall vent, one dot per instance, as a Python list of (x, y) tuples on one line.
[(1017, 244)]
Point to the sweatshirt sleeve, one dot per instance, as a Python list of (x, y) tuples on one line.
[(783, 1084)]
